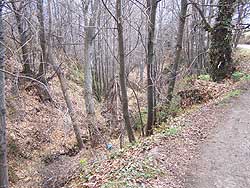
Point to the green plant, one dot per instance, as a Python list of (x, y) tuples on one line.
[(83, 162), (172, 131), (205, 77), (85, 170), (246, 77), (114, 184), (134, 172), (166, 111), (233, 93), (237, 76)]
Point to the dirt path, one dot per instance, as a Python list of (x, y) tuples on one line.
[(224, 160)]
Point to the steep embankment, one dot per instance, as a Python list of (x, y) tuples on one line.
[(37, 131)]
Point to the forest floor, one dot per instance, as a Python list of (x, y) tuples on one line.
[(205, 146), (208, 146)]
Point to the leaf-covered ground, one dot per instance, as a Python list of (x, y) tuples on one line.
[(163, 159), (166, 159), (41, 152)]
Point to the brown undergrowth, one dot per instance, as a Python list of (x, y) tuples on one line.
[(42, 149)]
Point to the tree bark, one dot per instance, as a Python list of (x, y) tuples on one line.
[(151, 12), (23, 38), (122, 72), (220, 53), (87, 63), (42, 66), (3, 138), (238, 32), (178, 50)]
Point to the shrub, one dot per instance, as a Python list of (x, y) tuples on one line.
[(237, 76), (205, 77)]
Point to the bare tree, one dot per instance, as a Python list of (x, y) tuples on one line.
[(122, 72), (3, 138), (63, 84), (178, 50), (151, 12), (243, 9), (43, 64), (19, 15), (90, 13)]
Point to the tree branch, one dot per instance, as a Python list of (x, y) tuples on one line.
[(207, 25)]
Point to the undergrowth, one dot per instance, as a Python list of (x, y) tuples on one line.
[(129, 167), (75, 74), (238, 76), (233, 93), (205, 77), (132, 174)]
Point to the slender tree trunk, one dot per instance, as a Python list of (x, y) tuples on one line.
[(42, 66), (63, 84), (88, 61), (238, 31), (221, 61), (178, 50), (122, 72), (151, 12), (141, 71), (88, 58), (210, 15), (88, 81), (23, 37), (3, 138)]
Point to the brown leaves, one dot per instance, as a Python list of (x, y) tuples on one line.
[(201, 92)]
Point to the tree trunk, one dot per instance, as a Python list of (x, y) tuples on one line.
[(63, 84), (220, 53), (3, 139), (238, 32), (42, 66), (151, 12), (23, 37), (122, 72), (88, 77), (178, 50)]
